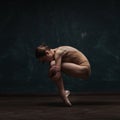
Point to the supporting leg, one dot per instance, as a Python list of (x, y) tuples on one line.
[(60, 85), (62, 92), (72, 70)]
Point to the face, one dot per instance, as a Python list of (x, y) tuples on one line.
[(47, 58)]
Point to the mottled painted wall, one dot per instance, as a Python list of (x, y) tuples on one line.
[(92, 27)]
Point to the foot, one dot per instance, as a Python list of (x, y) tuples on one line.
[(65, 98), (67, 102), (67, 93)]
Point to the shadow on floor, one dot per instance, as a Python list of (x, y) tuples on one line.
[(81, 103)]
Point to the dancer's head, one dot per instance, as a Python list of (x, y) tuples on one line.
[(44, 53)]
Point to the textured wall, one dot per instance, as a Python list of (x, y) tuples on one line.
[(92, 27)]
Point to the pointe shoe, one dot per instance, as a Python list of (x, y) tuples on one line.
[(65, 99), (67, 93), (67, 102)]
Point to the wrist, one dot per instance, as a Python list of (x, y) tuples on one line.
[(57, 68)]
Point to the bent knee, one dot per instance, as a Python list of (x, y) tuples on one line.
[(52, 63), (86, 73)]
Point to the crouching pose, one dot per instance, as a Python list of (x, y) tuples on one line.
[(65, 59)]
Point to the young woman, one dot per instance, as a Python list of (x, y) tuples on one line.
[(65, 59)]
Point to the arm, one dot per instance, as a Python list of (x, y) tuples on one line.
[(58, 59), (55, 71)]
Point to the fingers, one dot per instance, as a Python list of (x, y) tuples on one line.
[(53, 70)]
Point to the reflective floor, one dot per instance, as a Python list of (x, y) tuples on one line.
[(50, 107)]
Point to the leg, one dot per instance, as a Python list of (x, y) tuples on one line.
[(76, 70), (62, 92), (60, 85)]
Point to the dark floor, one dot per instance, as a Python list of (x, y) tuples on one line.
[(85, 107)]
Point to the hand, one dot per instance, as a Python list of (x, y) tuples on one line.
[(53, 70), (57, 76), (51, 73), (54, 73)]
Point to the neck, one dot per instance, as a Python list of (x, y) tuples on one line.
[(53, 52)]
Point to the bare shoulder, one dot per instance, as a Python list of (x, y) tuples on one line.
[(67, 48), (64, 49), (60, 50)]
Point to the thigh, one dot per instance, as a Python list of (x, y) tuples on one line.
[(75, 70)]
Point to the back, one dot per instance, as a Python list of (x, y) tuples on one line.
[(71, 54)]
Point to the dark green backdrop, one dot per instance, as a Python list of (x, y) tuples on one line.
[(92, 27)]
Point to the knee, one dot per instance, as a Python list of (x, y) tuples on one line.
[(54, 78), (54, 73), (51, 72), (87, 73), (52, 63)]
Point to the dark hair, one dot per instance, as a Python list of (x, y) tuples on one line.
[(41, 50)]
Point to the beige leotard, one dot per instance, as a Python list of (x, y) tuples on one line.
[(73, 55)]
